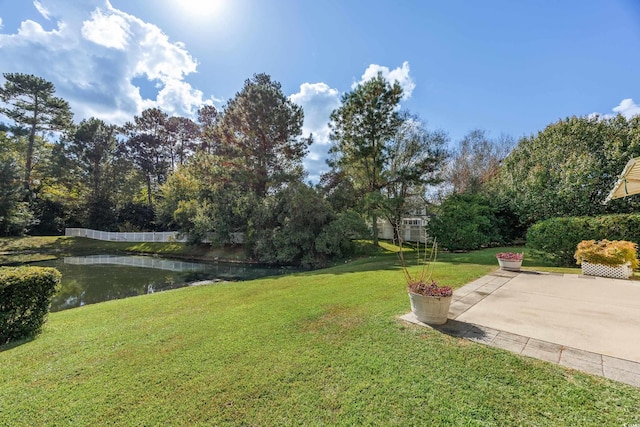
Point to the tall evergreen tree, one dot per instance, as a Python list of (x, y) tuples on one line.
[(263, 128), (15, 216), (361, 129), (182, 135), (93, 148), (207, 120), (147, 147), (30, 102)]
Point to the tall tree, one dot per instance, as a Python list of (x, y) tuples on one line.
[(476, 160), (263, 128), (15, 216), (147, 146), (416, 157), (361, 129), (568, 168), (93, 148), (28, 101), (182, 134), (207, 119)]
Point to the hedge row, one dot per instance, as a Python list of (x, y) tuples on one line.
[(557, 238), (25, 296)]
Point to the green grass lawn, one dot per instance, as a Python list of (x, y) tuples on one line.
[(317, 348)]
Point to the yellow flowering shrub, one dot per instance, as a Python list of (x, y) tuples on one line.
[(607, 252)]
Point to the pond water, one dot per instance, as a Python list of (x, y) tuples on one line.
[(97, 278)]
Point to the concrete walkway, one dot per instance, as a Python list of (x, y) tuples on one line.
[(586, 323)]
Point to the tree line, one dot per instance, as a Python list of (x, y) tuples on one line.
[(228, 171), (239, 170), (565, 170)]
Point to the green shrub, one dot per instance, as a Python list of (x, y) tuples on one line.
[(25, 296), (101, 214), (557, 238), (464, 222), (618, 227), (298, 227), (136, 217)]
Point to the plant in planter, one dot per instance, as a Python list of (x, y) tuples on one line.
[(510, 260), (429, 301), (607, 258)]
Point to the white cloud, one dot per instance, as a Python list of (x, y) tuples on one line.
[(400, 74), (106, 30), (33, 31), (0, 23), (94, 55), (627, 108), (158, 58), (42, 10), (178, 97), (318, 100)]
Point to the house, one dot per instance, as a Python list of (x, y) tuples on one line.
[(412, 229)]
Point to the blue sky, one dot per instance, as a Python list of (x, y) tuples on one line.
[(509, 67)]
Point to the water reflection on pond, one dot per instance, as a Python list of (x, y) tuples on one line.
[(97, 278)]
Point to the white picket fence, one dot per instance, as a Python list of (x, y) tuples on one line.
[(159, 236), (136, 261), (150, 236)]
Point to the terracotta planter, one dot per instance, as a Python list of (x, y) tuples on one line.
[(510, 265), (430, 310)]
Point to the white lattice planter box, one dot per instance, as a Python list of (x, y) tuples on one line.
[(621, 272)]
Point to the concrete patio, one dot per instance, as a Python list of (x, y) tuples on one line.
[(581, 322)]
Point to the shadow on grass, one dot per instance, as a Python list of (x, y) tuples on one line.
[(459, 329), (453, 328), (385, 258), (385, 262), (17, 343)]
